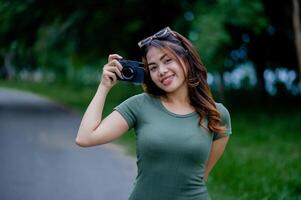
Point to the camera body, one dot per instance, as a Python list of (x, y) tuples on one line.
[(132, 71)]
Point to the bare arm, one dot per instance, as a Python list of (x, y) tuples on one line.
[(93, 130), (217, 149)]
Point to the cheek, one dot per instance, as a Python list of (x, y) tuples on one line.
[(153, 77), (183, 66), (183, 72)]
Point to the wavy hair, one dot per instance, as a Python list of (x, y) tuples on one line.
[(199, 92)]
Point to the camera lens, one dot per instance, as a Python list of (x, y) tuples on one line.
[(128, 73)]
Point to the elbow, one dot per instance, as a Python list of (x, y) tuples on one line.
[(80, 142)]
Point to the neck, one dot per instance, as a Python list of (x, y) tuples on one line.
[(178, 97)]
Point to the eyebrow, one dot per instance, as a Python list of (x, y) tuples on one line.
[(152, 63)]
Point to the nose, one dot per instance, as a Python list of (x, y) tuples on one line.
[(162, 70)]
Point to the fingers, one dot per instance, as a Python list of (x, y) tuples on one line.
[(115, 63), (114, 66), (114, 69), (110, 75), (111, 70), (114, 56)]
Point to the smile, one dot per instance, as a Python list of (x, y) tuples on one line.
[(166, 81)]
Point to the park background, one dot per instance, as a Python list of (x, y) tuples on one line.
[(252, 50)]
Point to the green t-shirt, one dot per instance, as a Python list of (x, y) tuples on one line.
[(172, 149)]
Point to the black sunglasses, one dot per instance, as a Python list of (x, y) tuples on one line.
[(159, 35)]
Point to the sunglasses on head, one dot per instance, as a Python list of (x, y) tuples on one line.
[(164, 33)]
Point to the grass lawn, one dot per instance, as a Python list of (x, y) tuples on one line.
[(262, 160)]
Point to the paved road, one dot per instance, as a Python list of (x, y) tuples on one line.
[(40, 161)]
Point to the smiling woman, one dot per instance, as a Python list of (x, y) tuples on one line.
[(181, 132), (165, 71)]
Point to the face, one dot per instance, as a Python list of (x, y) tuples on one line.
[(165, 71)]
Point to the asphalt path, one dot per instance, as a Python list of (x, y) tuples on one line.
[(39, 159)]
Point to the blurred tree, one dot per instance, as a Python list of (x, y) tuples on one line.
[(67, 35), (274, 47), (8, 42), (297, 30), (228, 32), (223, 25)]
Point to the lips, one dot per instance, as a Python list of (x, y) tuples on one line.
[(167, 80)]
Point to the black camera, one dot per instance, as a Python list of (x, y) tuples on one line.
[(132, 71)]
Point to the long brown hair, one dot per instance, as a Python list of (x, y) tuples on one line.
[(199, 92)]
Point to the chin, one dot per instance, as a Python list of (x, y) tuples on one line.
[(169, 90)]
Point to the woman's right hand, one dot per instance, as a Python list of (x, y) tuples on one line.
[(113, 67)]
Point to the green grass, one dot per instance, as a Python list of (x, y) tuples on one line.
[(262, 160)]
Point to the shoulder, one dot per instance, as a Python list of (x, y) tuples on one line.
[(225, 117), (224, 112), (138, 99), (220, 107)]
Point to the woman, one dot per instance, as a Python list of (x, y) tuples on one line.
[(180, 131)]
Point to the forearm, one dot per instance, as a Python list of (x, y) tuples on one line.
[(210, 164), (217, 150), (93, 115)]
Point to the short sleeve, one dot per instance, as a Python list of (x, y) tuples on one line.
[(226, 121), (129, 110)]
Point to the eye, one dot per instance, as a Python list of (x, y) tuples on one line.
[(153, 68), (168, 60)]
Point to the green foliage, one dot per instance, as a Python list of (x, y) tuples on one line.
[(210, 27), (66, 36), (8, 10), (261, 160), (74, 34), (53, 48)]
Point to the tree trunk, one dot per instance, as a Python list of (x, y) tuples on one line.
[(8, 67), (221, 87), (258, 49), (297, 30)]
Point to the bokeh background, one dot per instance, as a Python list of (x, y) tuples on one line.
[(252, 50)]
